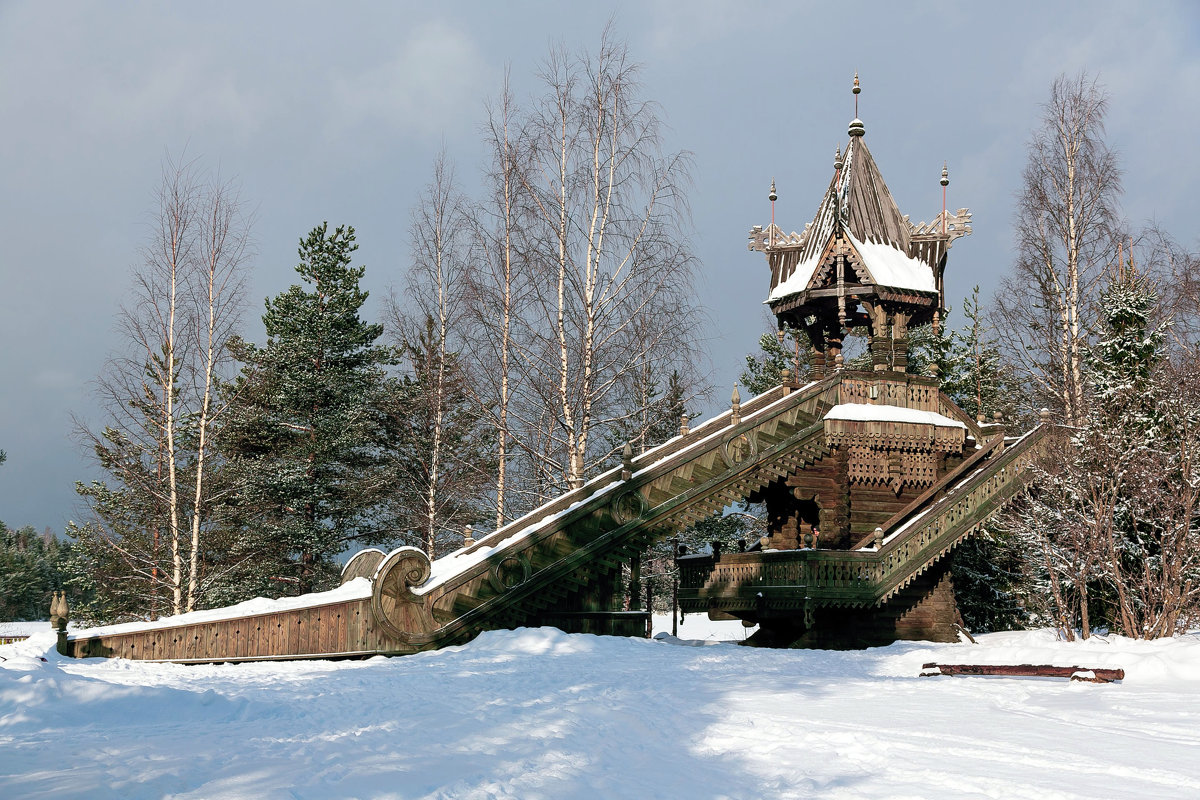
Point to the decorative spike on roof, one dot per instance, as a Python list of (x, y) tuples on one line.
[(888, 251)]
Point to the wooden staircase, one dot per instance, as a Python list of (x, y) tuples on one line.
[(540, 564), (759, 584)]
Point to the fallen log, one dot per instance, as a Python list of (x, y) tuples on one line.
[(1090, 674)]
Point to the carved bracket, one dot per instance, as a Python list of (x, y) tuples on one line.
[(396, 609)]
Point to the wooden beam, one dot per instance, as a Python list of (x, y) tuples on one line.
[(1091, 674)]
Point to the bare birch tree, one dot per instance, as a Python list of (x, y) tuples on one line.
[(217, 292), (610, 207), (1066, 233), (430, 330), (499, 280), (186, 299)]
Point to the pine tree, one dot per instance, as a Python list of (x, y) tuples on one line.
[(305, 433), (976, 376), (928, 347), (31, 567), (764, 370)]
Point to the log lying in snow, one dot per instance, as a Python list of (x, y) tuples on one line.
[(1097, 675)]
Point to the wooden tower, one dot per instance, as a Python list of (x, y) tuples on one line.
[(860, 265)]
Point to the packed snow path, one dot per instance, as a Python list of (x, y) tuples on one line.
[(536, 713)]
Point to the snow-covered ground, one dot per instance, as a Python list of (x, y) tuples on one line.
[(536, 713)]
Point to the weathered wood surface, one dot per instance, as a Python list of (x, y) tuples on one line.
[(866, 577), (553, 560), (1090, 674), (542, 564)]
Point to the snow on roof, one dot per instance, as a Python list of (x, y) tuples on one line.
[(891, 267), (863, 412), (798, 280), (357, 589)]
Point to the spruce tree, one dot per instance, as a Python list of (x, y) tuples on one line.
[(304, 434), (764, 370), (29, 571)]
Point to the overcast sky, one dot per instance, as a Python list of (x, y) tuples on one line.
[(336, 111)]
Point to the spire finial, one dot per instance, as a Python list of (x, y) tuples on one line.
[(772, 196), (837, 158), (945, 181), (856, 125)]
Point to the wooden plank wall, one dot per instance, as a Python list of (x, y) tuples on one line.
[(338, 629)]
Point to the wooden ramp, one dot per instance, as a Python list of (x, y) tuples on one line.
[(557, 564)]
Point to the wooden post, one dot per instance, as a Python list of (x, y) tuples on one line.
[(635, 582), (675, 606), (675, 553)]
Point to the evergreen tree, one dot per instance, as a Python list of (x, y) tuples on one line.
[(976, 376), (764, 370), (31, 567), (986, 568), (305, 432), (1127, 351)]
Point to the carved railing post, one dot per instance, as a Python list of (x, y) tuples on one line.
[(59, 616)]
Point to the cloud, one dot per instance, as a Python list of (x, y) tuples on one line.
[(433, 81)]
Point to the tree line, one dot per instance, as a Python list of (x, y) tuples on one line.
[(548, 321), (1095, 329), (542, 325)]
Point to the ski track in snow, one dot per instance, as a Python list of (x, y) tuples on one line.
[(536, 713)]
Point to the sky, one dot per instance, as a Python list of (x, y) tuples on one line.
[(336, 112)]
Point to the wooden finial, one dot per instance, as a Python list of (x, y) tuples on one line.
[(736, 405), (627, 462), (945, 182), (684, 430), (59, 613), (1044, 415), (468, 535), (878, 537)]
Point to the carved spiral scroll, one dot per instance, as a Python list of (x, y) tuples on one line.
[(510, 572), (397, 610), (628, 506), (362, 564), (739, 448)]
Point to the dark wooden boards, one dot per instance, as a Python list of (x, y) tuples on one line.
[(1089, 674)]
